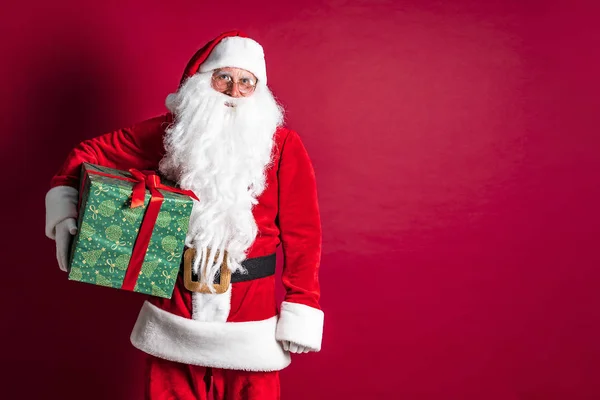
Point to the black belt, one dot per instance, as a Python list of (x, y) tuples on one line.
[(256, 268)]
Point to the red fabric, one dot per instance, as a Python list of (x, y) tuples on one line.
[(180, 302), (298, 220), (139, 147), (166, 380), (287, 212)]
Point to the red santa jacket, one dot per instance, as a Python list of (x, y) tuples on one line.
[(244, 328)]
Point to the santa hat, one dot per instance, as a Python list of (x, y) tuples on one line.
[(230, 49)]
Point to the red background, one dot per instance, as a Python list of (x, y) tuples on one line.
[(456, 149)]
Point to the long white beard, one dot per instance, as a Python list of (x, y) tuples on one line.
[(221, 153)]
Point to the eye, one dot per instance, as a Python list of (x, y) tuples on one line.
[(223, 77), (247, 81)]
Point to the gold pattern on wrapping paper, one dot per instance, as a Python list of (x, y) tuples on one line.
[(168, 277), (101, 189), (118, 244), (94, 211), (111, 265)]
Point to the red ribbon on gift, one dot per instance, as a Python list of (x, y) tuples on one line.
[(143, 180)]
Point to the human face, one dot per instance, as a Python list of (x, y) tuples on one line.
[(234, 82)]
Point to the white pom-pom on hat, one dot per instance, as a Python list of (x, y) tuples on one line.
[(171, 102)]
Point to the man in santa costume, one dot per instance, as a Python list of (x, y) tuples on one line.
[(224, 139)]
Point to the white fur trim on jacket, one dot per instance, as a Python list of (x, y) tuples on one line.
[(249, 346), (300, 324), (237, 52), (61, 203)]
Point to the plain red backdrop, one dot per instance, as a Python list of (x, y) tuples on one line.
[(456, 150)]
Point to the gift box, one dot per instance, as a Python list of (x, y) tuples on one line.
[(131, 230)]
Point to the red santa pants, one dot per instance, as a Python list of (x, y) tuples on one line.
[(168, 380)]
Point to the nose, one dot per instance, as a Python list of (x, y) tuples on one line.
[(234, 91)]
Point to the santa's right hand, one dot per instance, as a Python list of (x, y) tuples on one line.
[(64, 231)]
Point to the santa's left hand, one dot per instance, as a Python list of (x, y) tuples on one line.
[(294, 348)]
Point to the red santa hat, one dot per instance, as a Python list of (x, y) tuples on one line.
[(230, 49)]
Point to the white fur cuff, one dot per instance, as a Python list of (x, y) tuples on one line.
[(300, 324), (61, 203)]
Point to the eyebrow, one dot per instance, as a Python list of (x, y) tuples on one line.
[(245, 74)]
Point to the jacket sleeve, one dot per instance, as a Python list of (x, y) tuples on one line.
[(301, 318), (121, 149)]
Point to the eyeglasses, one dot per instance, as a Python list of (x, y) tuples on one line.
[(223, 81)]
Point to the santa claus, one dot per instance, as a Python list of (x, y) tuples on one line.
[(224, 139)]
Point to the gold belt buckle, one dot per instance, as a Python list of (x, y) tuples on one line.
[(198, 287)]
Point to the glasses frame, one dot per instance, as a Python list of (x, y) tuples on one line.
[(231, 83)]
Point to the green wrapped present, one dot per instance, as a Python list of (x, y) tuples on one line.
[(131, 230)]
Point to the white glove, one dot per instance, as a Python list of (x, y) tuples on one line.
[(64, 231), (294, 348)]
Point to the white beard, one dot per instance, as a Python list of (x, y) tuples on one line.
[(221, 153)]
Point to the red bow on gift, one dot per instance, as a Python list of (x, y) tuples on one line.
[(150, 180)]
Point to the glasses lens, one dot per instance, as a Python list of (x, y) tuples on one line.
[(246, 85), (245, 88), (221, 81)]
